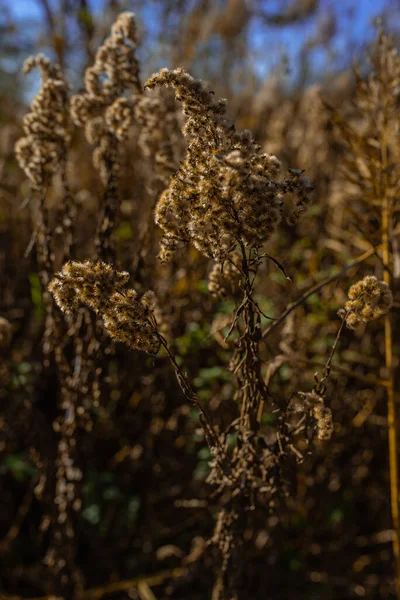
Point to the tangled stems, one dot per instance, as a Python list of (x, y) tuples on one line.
[(250, 369), (128, 317)]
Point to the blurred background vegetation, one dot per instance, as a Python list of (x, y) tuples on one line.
[(145, 511)]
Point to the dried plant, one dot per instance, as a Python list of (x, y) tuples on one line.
[(127, 316), (46, 127), (369, 299), (371, 165), (224, 192), (226, 200), (42, 153), (322, 415), (106, 113)]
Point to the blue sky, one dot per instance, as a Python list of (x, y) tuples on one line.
[(354, 29), (271, 47)]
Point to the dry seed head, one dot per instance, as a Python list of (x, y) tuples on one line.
[(115, 69), (127, 320), (46, 126), (224, 186), (103, 109), (369, 299), (375, 125), (157, 118), (119, 117), (323, 419), (86, 283), (224, 274), (313, 403), (127, 316)]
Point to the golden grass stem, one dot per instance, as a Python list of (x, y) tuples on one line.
[(392, 423)]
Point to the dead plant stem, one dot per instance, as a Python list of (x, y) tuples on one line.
[(189, 393), (392, 424)]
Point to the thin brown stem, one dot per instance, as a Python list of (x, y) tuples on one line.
[(313, 290), (327, 369), (392, 423), (189, 393)]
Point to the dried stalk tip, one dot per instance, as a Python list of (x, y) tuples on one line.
[(103, 109), (224, 189), (369, 299), (313, 403), (86, 283), (127, 320), (225, 275), (128, 316), (47, 126)]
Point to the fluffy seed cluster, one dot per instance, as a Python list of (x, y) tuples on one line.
[(224, 188), (369, 299), (157, 119), (103, 109), (46, 126), (313, 403), (127, 315), (225, 274)]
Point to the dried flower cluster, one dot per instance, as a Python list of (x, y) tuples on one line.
[(313, 404), (46, 126), (224, 190), (157, 119), (102, 108), (369, 299), (127, 315), (224, 275), (371, 162)]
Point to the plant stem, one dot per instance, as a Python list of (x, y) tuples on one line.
[(250, 382), (392, 424), (187, 389)]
